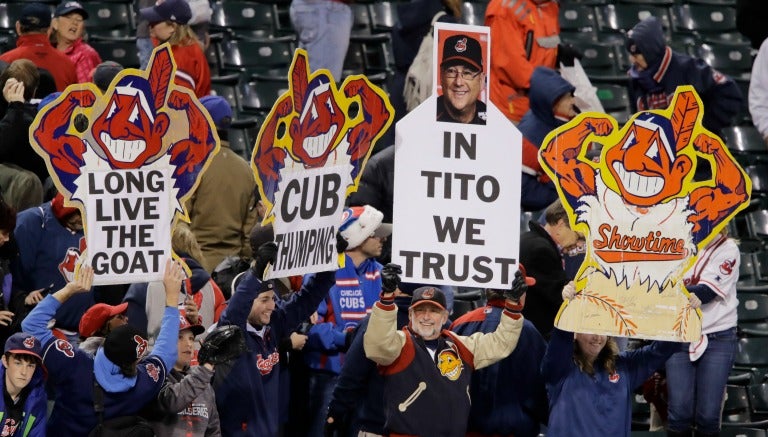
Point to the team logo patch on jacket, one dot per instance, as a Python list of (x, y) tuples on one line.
[(65, 347), (450, 364), (614, 377), (726, 267), (153, 372)]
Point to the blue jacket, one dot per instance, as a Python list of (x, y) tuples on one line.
[(359, 392), (654, 87), (508, 398), (72, 372), (349, 300), (35, 406), (599, 405), (48, 250), (248, 389)]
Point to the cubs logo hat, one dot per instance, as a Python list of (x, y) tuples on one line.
[(360, 222), (462, 49), (431, 295)]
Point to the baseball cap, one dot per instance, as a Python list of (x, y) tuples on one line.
[(35, 15), (59, 210), (219, 109), (462, 49), (125, 345), (25, 344), (177, 11), (104, 73), (68, 6), (97, 316), (429, 294), (360, 222), (184, 324)]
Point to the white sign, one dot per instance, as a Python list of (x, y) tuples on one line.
[(308, 203), (129, 224)]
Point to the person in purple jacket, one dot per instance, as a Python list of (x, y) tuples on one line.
[(247, 389), (128, 378)]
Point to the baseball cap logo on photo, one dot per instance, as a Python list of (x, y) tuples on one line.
[(141, 345), (29, 342), (461, 45), (429, 293)]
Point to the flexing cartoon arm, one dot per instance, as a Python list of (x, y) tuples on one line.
[(268, 158), (561, 154), (712, 205), (66, 151), (190, 155), (375, 117)]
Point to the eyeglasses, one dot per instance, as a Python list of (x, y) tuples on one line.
[(452, 73)]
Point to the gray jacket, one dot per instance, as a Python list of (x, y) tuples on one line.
[(189, 404)]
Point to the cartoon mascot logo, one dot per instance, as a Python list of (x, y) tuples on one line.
[(310, 153), (129, 156), (450, 364), (644, 215)]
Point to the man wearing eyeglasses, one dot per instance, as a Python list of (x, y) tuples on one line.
[(461, 78)]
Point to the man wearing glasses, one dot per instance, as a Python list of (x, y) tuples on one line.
[(461, 79)]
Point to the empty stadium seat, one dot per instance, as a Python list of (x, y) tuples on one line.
[(110, 19), (734, 59), (578, 22), (261, 93), (746, 144), (473, 13), (242, 136), (258, 56), (245, 18), (121, 50), (383, 16)]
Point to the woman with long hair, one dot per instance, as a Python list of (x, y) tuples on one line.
[(590, 384), (67, 30), (168, 22)]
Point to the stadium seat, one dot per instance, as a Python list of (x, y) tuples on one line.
[(733, 59), (383, 16), (758, 173), (752, 352), (271, 56), (110, 19), (361, 19), (742, 432), (746, 144), (473, 13), (120, 50), (242, 136), (600, 62), (227, 87), (705, 19), (375, 52), (577, 22), (245, 18), (622, 18), (261, 93)]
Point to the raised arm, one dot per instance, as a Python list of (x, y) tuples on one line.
[(167, 340), (561, 155), (712, 205)]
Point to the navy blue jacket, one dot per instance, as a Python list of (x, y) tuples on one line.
[(248, 390), (35, 406), (508, 398)]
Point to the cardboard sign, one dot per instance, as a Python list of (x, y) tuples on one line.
[(644, 217), (457, 174), (128, 159), (309, 155)]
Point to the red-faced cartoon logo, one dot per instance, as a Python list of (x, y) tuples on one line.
[(614, 377), (726, 267), (153, 372), (461, 45), (429, 293), (141, 345), (29, 342), (65, 347), (69, 263)]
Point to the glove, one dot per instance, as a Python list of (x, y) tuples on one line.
[(390, 278), (266, 254), (341, 243), (566, 53), (223, 344), (518, 289)]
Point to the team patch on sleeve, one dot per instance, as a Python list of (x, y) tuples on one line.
[(65, 347)]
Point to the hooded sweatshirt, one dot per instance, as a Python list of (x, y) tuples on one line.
[(654, 87), (35, 406)]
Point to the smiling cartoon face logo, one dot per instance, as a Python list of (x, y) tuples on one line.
[(450, 364), (316, 131), (645, 164)]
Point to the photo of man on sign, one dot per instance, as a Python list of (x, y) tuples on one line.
[(461, 77)]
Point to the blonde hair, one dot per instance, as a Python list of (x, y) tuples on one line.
[(184, 241), (454, 6), (607, 356), (183, 35)]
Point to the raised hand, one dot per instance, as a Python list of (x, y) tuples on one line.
[(172, 277), (390, 278)]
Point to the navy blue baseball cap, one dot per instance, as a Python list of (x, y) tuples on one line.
[(177, 11), (70, 6)]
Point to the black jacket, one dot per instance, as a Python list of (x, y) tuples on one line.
[(15, 147)]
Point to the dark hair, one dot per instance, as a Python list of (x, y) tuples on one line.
[(129, 370), (24, 71), (7, 216), (607, 357), (26, 358), (556, 212)]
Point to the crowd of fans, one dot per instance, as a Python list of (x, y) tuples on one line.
[(345, 352)]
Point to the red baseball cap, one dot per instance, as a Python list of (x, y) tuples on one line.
[(97, 316)]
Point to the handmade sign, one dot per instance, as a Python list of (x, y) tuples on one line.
[(127, 159), (644, 216), (309, 155), (457, 174)]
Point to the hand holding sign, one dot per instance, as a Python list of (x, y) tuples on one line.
[(390, 278), (82, 282), (264, 257), (172, 277)]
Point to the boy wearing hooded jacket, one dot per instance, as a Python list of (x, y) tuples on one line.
[(24, 403), (657, 71)]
